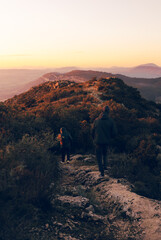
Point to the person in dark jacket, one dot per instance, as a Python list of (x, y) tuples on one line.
[(65, 142), (103, 130)]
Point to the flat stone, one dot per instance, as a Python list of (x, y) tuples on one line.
[(77, 157), (73, 202)]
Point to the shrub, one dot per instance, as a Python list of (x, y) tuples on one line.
[(27, 170), (146, 152), (121, 165), (84, 137), (30, 168)]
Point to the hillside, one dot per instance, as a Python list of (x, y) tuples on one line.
[(150, 88), (75, 75), (31, 172), (16, 81), (66, 93)]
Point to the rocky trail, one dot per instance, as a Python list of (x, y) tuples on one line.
[(88, 207)]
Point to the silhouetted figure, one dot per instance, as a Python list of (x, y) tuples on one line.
[(65, 142), (102, 131)]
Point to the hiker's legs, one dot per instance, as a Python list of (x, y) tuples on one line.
[(104, 151), (63, 154), (99, 158), (68, 154)]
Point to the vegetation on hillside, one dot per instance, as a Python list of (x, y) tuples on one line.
[(31, 121)]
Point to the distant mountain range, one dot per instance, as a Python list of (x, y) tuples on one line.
[(147, 78), (149, 70)]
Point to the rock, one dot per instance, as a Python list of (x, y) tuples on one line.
[(52, 185), (19, 171), (121, 213), (90, 209), (63, 236), (85, 158), (93, 217), (57, 224), (158, 147), (159, 157), (77, 157), (72, 202), (90, 178), (67, 227), (89, 159)]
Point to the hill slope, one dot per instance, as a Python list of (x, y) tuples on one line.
[(150, 88), (77, 105), (29, 126), (64, 92)]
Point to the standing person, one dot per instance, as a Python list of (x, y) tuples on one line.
[(102, 131), (65, 142)]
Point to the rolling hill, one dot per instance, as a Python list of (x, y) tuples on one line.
[(149, 88), (143, 77), (147, 78)]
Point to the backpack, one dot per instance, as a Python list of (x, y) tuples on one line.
[(64, 140)]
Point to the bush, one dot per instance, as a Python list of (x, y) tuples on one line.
[(30, 168), (121, 165), (146, 152), (27, 171)]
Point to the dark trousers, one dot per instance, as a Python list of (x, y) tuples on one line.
[(101, 155), (65, 151)]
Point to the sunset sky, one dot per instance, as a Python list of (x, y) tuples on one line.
[(82, 33)]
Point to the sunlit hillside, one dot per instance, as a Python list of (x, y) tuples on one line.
[(14, 82), (29, 151), (150, 88)]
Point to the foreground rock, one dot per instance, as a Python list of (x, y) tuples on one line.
[(147, 212), (122, 205), (88, 207)]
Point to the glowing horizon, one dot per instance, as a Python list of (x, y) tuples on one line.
[(87, 33)]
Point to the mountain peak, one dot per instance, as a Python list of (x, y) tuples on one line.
[(147, 65)]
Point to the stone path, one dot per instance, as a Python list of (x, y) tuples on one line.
[(88, 207)]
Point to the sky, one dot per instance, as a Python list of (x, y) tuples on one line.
[(82, 33)]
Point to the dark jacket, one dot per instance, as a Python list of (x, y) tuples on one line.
[(103, 129)]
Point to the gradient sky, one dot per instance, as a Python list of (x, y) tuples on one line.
[(85, 33)]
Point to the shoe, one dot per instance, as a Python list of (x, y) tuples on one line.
[(101, 175)]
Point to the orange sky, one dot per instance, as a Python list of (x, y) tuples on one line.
[(86, 33)]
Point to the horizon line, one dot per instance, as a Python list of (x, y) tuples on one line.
[(78, 67)]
